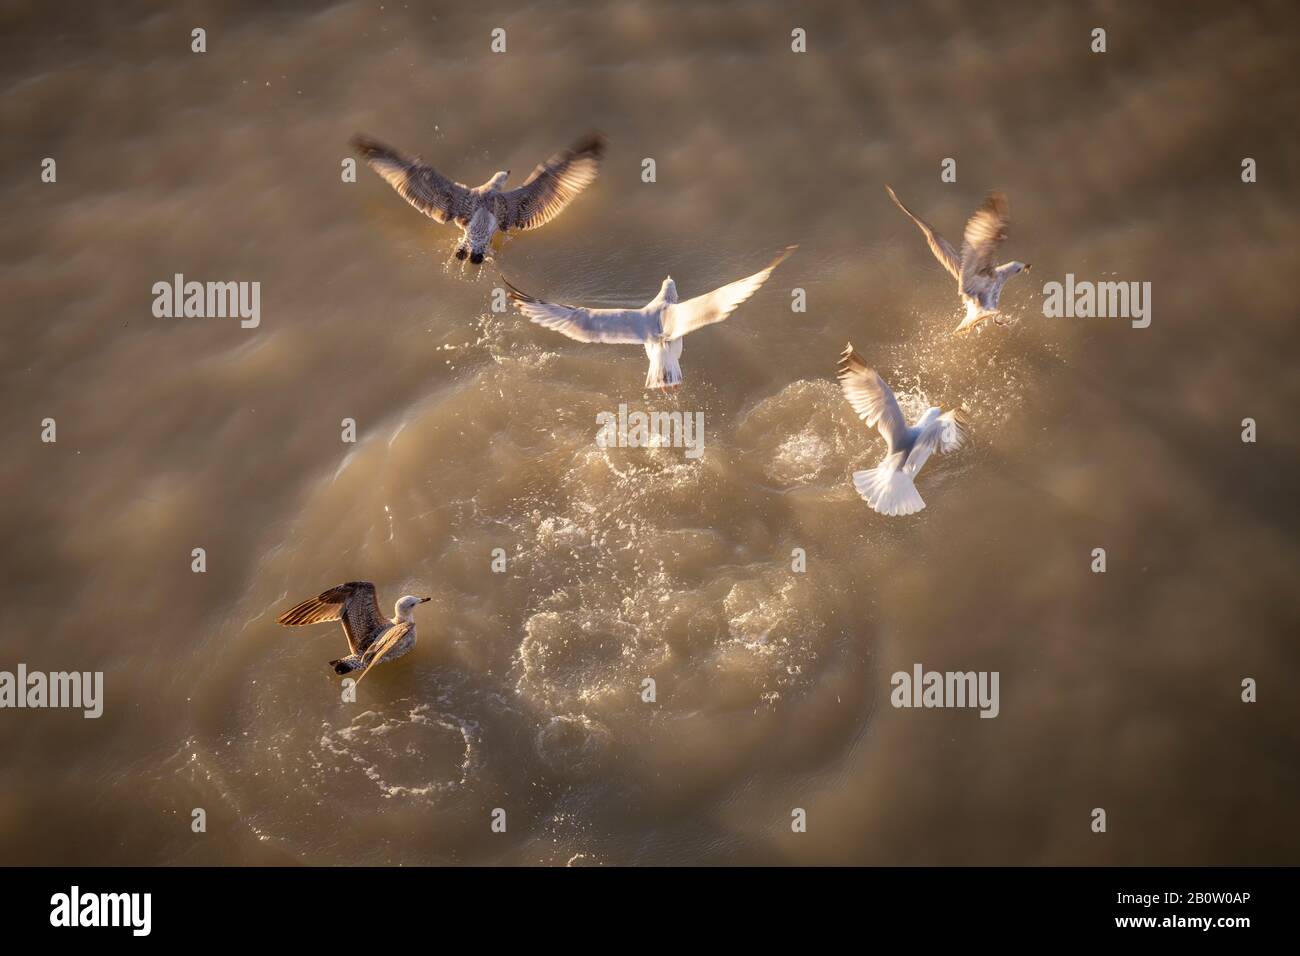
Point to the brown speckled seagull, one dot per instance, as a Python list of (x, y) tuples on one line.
[(483, 211), (371, 637), (979, 281)]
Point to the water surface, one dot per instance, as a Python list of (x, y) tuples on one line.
[(476, 432)]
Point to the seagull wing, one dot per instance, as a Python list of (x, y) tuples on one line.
[(683, 317), (985, 232), (941, 247), (616, 326), (387, 641), (422, 186), (871, 398), (353, 603), (554, 184), (946, 433)]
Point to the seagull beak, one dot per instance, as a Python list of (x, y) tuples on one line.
[(1028, 266), (423, 600)]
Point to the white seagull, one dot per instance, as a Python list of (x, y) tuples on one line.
[(889, 487), (979, 281), (482, 211), (371, 636), (658, 326)]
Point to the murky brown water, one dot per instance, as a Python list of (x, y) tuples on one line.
[(476, 431)]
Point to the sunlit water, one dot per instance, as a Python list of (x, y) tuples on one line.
[(476, 431)]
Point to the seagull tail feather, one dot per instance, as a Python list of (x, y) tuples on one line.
[(888, 491), (664, 371), (974, 316)]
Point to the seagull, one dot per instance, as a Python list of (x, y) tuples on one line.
[(979, 282), (371, 636), (482, 211), (658, 325), (888, 488)]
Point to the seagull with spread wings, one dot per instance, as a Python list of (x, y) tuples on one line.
[(483, 211), (658, 326), (979, 281), (889, 487), (371, 636)]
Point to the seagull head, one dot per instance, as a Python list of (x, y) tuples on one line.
[(499, 179), (406, 604), (669, 290)]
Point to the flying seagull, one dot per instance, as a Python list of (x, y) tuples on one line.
[(889, 487), (482, 211), (658, 325), (371, 636), (979, 281)]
